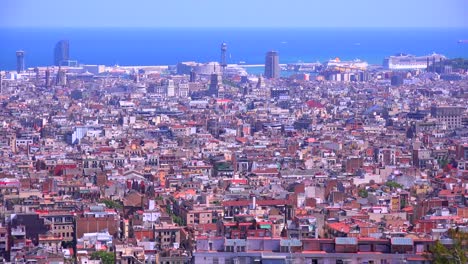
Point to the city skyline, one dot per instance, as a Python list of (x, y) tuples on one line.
[(218, 132), (243, 14)]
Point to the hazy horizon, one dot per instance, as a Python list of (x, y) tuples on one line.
[(240, 13), (236, 27), (157, 46)]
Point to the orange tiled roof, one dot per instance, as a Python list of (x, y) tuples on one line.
[(339, 226)]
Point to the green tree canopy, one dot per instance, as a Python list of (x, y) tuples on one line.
[(393, 184), (456, 253), (104, 256), (363, 193), (112, 204)]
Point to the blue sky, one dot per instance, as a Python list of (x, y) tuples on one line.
[(234, 13)]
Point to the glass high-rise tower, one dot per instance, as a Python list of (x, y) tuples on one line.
[(272, 68), (61, 52), (19, 61)]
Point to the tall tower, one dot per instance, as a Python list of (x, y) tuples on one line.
[(223, 55), (36, 71), (272, 68), (136, 76), (47, 78), (261, 83), (1, 82), (61, 78), (19, 61), (193, 76), (61, 52), (216, 82)]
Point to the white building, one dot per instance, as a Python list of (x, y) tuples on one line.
[(95, 241), (170, 88), (411, 62)]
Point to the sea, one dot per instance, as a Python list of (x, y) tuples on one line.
[(168, 46)]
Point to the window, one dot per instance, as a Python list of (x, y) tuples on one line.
[(240, 248)]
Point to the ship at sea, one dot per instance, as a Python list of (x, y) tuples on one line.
[(403, 61), (463, 41)]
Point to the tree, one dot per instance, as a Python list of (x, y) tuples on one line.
[(112, 204), (178, 220), (104, 256), (442, 162), (363, 193), (455, 254), (402, 204), (393, 184), (440, 253)]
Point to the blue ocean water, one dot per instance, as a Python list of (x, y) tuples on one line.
[(143, 46)]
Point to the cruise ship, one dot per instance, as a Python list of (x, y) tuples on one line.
[(234, 70), (337, 64), (403, 61)]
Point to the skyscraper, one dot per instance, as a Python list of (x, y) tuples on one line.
[(216, 82), (20, 61), (272, 68), (193, 76), (61, 52), (223, 55)]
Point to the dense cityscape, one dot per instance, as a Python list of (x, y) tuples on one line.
[(203, 162)]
